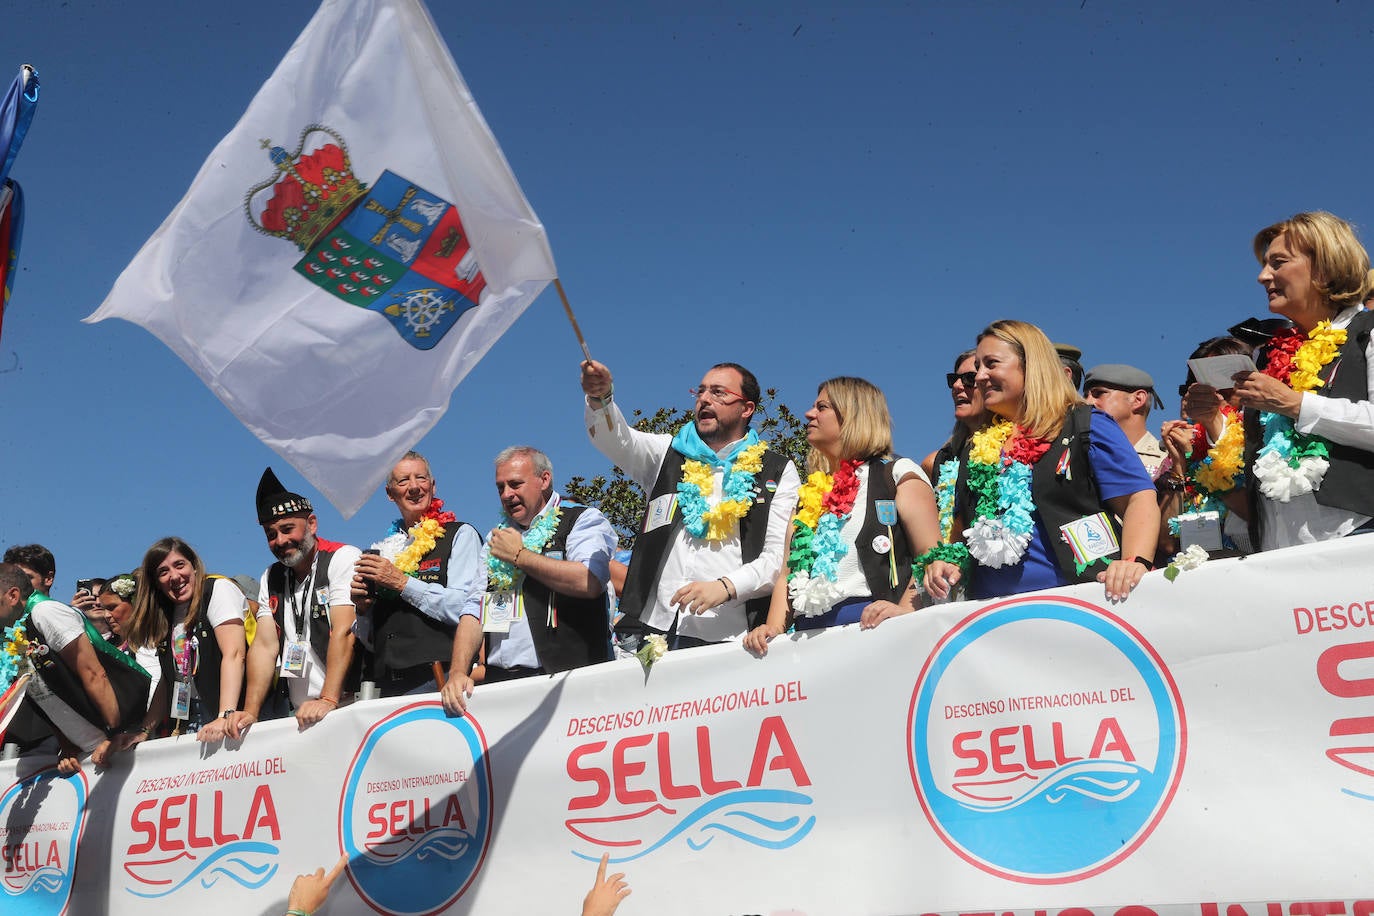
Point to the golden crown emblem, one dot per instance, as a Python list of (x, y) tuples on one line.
[(312, 190)]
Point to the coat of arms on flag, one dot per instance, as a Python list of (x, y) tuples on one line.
[(394, 248)]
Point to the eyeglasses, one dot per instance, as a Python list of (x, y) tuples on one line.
[(964, 378), (717, 393)]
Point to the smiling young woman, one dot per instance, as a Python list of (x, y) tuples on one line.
[(1042, 484)]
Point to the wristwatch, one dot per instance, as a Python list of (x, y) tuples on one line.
[(1149, 566)]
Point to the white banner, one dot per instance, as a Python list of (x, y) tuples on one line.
[(1206, 745), (348, 252)]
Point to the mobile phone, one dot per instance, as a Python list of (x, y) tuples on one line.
[(372, 586), (85, 585)]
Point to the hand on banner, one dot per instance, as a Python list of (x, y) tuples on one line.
[(941, 577), (455, 694), (105, 750), (878, 611), (68, 757), (212, 731), (596, 379), (309, 892), (756, 640), (371, 568), (700, 597), (1120, 577), (606, 892), (311, 712), (238, 724)]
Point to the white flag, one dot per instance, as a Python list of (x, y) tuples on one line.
[(347, 253)]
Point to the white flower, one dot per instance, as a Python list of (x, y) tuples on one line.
[(992, 544), (390, 547), (654, 647), (812, 597), (1279, 481), (123, 586), (1192, 558)]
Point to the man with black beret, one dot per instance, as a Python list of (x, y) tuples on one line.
[(308, 592)]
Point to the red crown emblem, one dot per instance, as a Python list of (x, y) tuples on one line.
[(313, 189)]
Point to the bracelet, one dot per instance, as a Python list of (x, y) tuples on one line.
[(330, 700), (1149, 566), (730, 593), (515, 561), (295, 912), (956, 553), (602, 402)]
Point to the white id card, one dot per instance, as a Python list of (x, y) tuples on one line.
[(294, 658), (1201, 528), (1091, 538), (498, 608), (660, 512), (181, 700)]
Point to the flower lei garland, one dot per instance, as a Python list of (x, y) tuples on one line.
[(948, 550), (737, 494), (405, 548), (1000, 462), (14, 650), (1219, 470), (1291, 463), (500, 574), (824, 504)]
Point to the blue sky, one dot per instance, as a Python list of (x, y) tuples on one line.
[(808, 189)]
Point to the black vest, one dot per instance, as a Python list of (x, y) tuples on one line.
[(127, 679), (209, 658), (877, 566), (1060, 498), (403, 637), (1349, 481), (652, 547), (582, 634)]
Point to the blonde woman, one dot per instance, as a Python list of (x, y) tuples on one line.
[(1043, 483), (860, 516)]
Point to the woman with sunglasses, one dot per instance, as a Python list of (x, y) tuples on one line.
[(1309, 419), (968, 414), (1043, 483), (859, 515)]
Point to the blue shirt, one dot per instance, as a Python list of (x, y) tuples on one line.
[(1118, 471)]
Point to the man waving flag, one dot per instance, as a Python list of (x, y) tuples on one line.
[(347, 253)]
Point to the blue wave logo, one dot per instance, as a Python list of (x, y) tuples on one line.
[(1007, 781), (733, 814), (248, 863), (46, 880), (421, 862)]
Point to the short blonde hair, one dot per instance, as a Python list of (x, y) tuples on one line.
[(1340, 263), (865, 423), (1048, 394)]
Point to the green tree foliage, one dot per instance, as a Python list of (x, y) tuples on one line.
[(621, 500)]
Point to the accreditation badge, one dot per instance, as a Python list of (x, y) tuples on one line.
[(1090, 538), (660, 512), (886, 510), (181, 700), (294, 659), (498, 609)]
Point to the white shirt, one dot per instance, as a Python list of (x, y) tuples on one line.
[(641, 455), (61, 626), (1303, 520), (299, 599)]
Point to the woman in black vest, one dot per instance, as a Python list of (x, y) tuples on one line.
[(199, 621), (1309, 433), (1041, 485), (859, 514)]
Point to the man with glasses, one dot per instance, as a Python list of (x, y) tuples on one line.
[(719, 500)]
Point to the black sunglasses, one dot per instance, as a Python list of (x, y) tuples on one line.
[(965, 377)]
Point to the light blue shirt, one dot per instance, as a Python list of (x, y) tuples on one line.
[(591, 542), (445, 603)]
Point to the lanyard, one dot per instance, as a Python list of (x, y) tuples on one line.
[(298, 613)]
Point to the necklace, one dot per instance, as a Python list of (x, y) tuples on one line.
[(824, 504), (1291, 463), (500, 574), (1000, 461), (737, 494), (405, 548)]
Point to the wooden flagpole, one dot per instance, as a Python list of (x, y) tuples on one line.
[(582, 341)]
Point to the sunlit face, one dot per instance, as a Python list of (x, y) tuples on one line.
[(522, 490), (411, 488), (724, 418), (176, 578), (1288, 282), (1001, 378), (117, 612), (968, 402), (823, 424), (291, 539), (1115, 403)]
